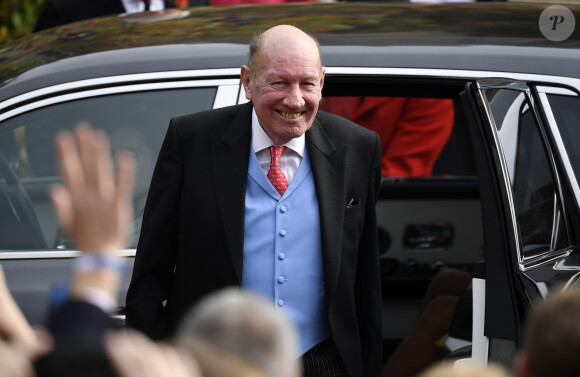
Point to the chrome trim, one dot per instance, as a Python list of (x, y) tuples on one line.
[(543, 259), (75, 85), (501, 83), (53, 254), (553, 127), (115, 90), (500, 158), (480, 342), (555, 223), (226, 95), (562, 266), (556, 90)]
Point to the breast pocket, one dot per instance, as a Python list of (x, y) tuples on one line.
[(353, 223)]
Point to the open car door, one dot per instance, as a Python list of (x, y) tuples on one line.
[(525, 211)]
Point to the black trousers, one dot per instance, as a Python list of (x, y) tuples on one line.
[(323, 360)]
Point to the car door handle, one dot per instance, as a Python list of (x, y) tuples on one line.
[(433, 236)]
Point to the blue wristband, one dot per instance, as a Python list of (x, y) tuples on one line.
[(88, 262)]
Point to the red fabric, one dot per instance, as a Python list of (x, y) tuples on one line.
[(239, 2), (413, 131), (275, 174)]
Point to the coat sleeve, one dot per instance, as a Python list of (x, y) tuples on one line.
[(368, 281), (153, 270), (77, 329)]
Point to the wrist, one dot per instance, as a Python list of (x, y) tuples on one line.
[(92, 261)]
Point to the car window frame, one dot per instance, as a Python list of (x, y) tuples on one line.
[(524, 262)]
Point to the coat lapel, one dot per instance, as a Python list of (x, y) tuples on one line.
[(328, 166), (230, 154)]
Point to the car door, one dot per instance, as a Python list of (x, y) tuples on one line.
[(529, 207), (134, 111)]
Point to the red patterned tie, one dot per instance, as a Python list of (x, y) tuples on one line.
[(275, 174)]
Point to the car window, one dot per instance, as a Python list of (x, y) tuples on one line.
[(135, 121), (567, 114), (534, 190)]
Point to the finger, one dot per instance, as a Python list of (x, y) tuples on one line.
[(44, 344), (39, 343), (125, 177), (69, 162), (105, 178), (14, 363), (62, 204), (3, 285), (126, 353), (87, 143), (179, 364), (119, 353)]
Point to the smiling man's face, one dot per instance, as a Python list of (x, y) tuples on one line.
[(287, 87)]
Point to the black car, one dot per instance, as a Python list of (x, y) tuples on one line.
[(501, 202)]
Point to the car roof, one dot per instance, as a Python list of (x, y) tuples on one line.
[(501, 37)]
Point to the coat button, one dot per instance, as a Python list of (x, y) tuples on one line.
[(281, 279)]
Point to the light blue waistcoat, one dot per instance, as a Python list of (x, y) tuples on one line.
[(282, 249)]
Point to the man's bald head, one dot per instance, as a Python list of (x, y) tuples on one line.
[(280, 36)]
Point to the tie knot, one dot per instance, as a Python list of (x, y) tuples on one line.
[(275, 153)]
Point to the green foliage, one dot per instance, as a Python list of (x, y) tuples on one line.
[(17, 18)]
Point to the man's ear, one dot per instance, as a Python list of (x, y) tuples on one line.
[(323, 72), (246, 76)]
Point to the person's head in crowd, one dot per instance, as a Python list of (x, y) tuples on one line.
[(244, 324), (284, 79), (551, 344), (214, 361), (449, 369)]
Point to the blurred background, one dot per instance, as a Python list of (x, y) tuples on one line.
[(17, 18)]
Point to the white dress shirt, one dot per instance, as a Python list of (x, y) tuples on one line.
[(290, 159)]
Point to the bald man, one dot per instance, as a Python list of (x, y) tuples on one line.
[(273, 196)]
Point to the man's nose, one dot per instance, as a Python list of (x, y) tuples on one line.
[(294, 98)]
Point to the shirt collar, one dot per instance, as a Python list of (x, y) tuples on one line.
[(261, 140)]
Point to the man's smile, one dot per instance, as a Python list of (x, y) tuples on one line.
[(289, 115)]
